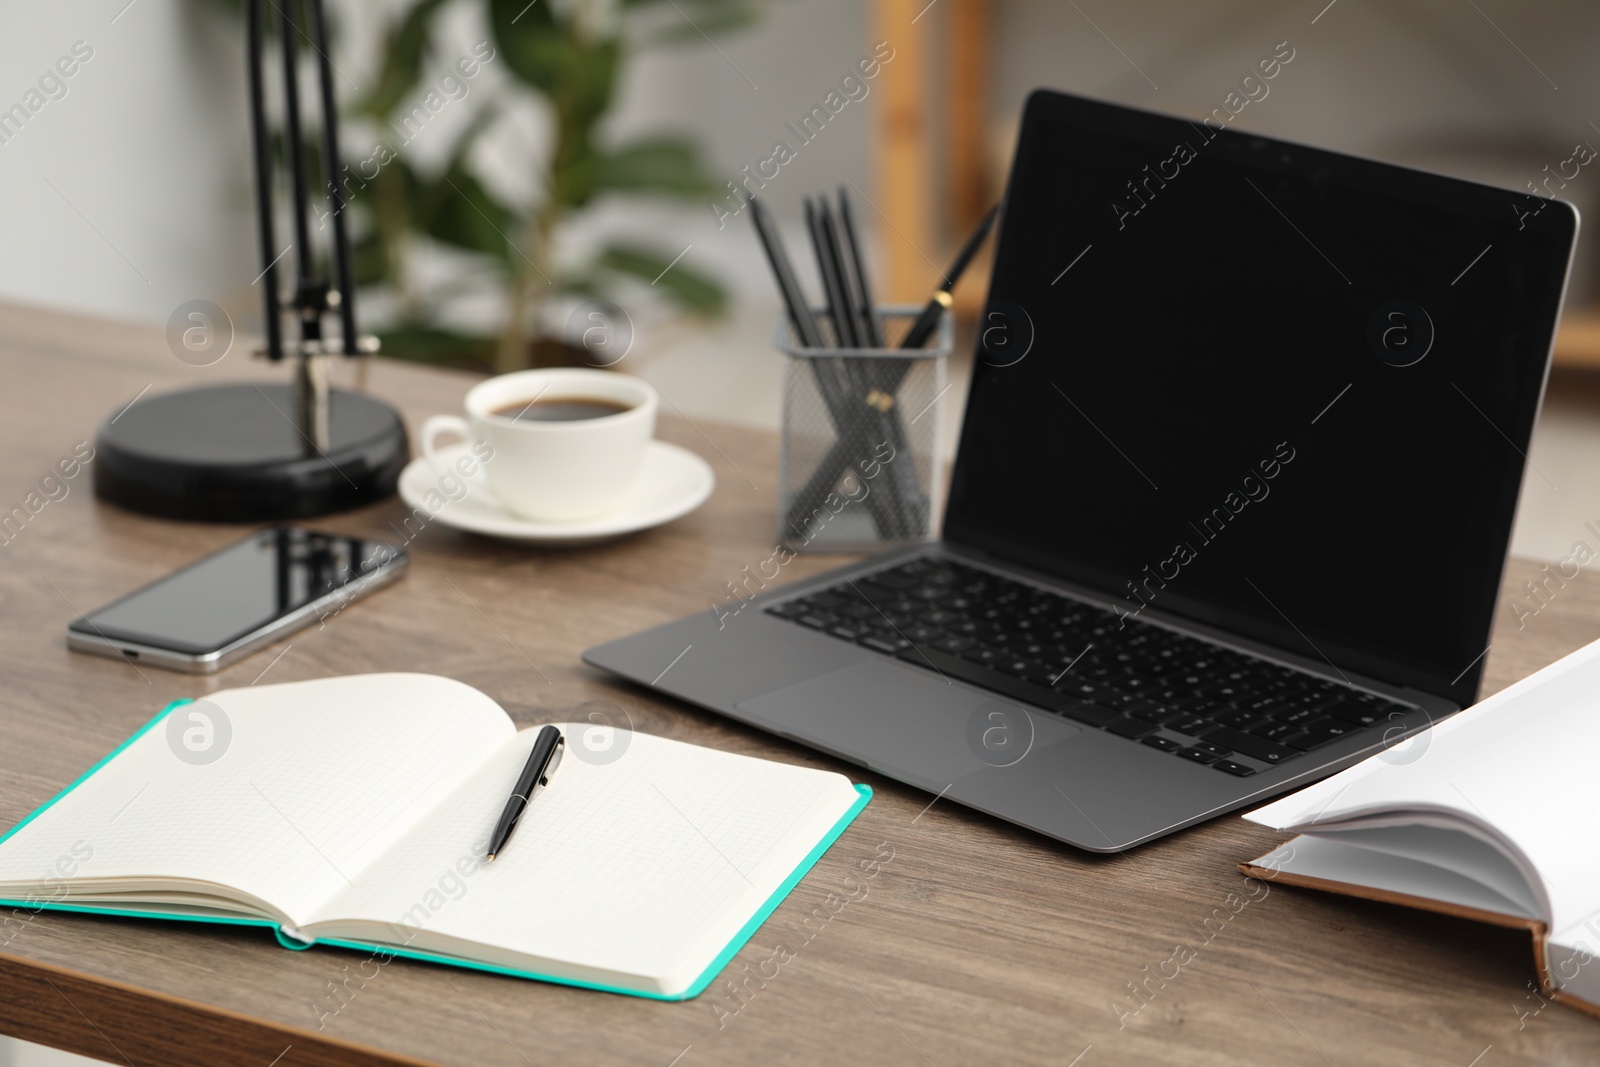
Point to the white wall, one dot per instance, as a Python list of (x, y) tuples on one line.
[(1369, 78), (127, 195)]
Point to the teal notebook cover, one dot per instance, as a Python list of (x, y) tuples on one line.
[(864, 794)]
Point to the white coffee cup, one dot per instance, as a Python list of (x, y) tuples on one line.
[(555, 471)]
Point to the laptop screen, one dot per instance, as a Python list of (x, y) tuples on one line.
[(1273, 389)]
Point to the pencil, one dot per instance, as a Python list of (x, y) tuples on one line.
[(844, 336), (794, 298), (873, 335)]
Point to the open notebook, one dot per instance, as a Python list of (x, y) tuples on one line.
[(355, 811), (1489, 815)]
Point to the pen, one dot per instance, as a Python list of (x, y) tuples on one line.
[(928, 321), (536, 772)]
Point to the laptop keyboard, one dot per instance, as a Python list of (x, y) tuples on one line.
[(1177, 694)]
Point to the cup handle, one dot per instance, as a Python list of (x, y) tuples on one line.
[(432, 428)]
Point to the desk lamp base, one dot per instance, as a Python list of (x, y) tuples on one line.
[(232, 453)]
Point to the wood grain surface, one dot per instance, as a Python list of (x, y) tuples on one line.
[(972, 942)]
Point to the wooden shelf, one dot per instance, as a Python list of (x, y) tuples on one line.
[(1578, 340)]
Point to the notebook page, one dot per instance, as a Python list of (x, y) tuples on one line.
[(1443, 845), (646, 866), (315, 781), (1521, 762), (1334, 861)]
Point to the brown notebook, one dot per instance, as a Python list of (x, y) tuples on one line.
[(1489, 816)]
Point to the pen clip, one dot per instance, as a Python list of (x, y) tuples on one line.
[(550, 766)]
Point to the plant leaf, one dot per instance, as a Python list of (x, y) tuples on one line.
[(456, 208), (427, 344), (545, 53), (666, 165), (367, 260), (528, 38), (576, 73), (681, 284), (404, 47)]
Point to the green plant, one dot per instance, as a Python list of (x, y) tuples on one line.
[(570, 55)]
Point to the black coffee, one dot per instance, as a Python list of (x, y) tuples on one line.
[(564, 409)]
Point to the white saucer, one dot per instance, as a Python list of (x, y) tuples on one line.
[(673, 483)]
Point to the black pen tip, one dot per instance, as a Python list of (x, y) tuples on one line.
[(490, 858)]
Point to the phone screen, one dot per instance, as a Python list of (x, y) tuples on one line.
[(230, 594)]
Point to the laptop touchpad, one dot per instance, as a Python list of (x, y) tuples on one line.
[(907, 722)]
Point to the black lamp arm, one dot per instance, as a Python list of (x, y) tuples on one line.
[(311, 296)]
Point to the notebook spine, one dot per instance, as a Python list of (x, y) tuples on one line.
[(293, 937)]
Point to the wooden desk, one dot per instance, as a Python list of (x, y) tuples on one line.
[(976, 943)]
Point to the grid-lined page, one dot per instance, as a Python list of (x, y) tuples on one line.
[(646, 866), (317, 779)]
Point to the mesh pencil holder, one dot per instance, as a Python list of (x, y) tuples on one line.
[(859, 467)]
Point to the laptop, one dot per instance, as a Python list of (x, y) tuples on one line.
[(1231, 502)]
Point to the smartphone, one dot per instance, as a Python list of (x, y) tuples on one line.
[(239, 600)]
